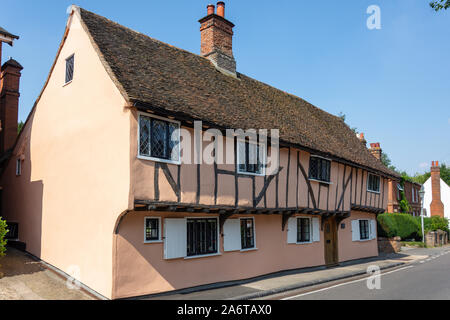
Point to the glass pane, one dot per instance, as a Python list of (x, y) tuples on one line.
[(144, 136), (159, 139), (241, 159)]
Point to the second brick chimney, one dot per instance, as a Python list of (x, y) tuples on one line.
[(9, 103), (217, 39), (436, 207), (375, 150)]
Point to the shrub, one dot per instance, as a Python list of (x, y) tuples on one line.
[(400, 225), (434, 223), (3, 232)]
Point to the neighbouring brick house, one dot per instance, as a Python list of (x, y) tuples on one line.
[(102, 189), (411, 189)]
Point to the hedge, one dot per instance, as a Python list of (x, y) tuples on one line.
[(3, 232), (433, 224), (400, 225)]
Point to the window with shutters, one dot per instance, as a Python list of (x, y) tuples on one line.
[(247, 234), (303, 230), (251, 157), (202, 237), (152, 230), (320, 169), (159, 139), (70, 65), (364, 230), (373, 183)]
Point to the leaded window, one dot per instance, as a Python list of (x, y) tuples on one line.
[(247, 234), (303, 230), (364, 229), (251, 157), (152, 229), (373, 183), (201, 237), (319, 169), (158, 139), (70, 64)]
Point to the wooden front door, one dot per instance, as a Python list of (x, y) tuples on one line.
[(331, 248)]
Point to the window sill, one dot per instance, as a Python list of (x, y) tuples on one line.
[(153, 242), (303, 243), (376, 192), (160, 160), (248, 250), (367, 240), (204, 256), (67, 83), (251, 174), (320, 181)]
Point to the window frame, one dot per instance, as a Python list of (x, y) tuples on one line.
[(72, 56), (263, 162), (217, 253), (311, 178), (367, 221), (368, 184), (159, 240), (310, 230), (143, 157), (18, 167), (254, 233)]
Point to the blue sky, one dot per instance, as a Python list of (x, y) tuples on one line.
[(392, 83)]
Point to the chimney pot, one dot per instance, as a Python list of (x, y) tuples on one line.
[(211, 9), (221, 9)]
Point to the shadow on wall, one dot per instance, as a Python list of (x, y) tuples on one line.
[(21, 197)]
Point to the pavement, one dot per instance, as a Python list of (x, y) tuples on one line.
[(264, 287), (26, 278)]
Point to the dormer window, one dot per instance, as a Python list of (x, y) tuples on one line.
[(159, 139), (320, 169), (70, 68)]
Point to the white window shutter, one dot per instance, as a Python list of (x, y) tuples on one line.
[(292, 230), (373, 229), (175, 242), (356, 235), (232, 235), (316, 229)]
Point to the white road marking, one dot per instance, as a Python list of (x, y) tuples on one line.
[(343, 284)]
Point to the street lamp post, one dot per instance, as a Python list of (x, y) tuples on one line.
[(421, 194)]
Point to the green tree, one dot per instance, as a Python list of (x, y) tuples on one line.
[(440, 5), (20, 127)]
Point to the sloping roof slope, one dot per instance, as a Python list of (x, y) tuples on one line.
[(163, 76)]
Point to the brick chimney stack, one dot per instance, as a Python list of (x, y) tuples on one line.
[(217, 39), (362, 139), (9, 103), (437, 207), (375, 150)]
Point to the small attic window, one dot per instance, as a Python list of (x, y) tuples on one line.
[(69, 68), (18, 167)]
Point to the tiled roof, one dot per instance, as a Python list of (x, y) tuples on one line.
[(6, 33), (149, 71)]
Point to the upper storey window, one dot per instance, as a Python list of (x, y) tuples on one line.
[(159, 139), (70, 64), (373, 183), (320, 169), (251, 157)]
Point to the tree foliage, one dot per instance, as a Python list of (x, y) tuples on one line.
[(20, 127), (3, 232), (440, 5)]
